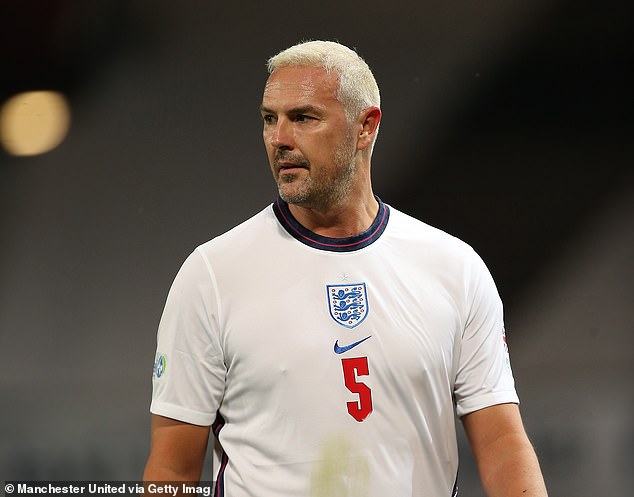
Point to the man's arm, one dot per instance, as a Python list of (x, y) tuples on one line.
[(177, 450), (506, 460)]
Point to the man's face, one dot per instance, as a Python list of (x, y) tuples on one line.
[(309, 142)]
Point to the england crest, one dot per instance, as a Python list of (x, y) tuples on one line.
[(348, 304)]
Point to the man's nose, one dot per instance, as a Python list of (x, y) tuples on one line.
[(282, 135)]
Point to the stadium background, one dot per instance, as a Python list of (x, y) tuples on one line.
[(508, 124)]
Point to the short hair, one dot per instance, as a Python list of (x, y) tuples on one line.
[(357, 87)]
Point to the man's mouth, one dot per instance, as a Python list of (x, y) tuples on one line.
[(286, 167)]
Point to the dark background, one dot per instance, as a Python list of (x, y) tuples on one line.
[(506, 123)]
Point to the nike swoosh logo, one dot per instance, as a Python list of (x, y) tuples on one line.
[(346, 348)]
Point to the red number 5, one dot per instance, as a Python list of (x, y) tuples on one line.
[(353, 367)]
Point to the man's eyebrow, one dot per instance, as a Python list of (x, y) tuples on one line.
[(304, 109)]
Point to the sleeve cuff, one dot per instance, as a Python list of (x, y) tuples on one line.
[(491, 399), (180, 413)]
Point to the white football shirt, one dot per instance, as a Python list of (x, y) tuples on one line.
[(332, 367)]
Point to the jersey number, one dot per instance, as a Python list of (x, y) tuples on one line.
[(352, 368)]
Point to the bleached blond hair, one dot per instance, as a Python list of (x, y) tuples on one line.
[(357, 87)]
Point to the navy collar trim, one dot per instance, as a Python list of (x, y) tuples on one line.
[(348, 244)]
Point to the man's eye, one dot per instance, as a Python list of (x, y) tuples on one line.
[(302, 117), (268, 118)]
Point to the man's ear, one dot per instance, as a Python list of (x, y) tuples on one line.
[(369, 120)]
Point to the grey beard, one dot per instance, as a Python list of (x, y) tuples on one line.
[(322, 193)]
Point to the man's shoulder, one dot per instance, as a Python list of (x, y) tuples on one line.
[(427, 244), (408, 226), (232, 248), (252, 230)]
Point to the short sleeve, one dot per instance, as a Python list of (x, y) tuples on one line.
[(189, 371), (484, 376)]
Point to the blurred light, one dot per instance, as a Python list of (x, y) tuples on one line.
[(34, 122)]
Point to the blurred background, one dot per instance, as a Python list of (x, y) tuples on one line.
[(506, 123)]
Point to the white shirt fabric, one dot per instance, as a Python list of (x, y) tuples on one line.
[(332, 367)]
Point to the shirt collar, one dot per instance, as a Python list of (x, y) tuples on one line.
[(347, 244)]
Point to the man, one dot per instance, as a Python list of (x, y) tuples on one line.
[(329, 338)]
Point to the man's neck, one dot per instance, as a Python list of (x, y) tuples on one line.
[(340, 221)]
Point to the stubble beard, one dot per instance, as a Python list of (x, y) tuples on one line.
[(321, 189)]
